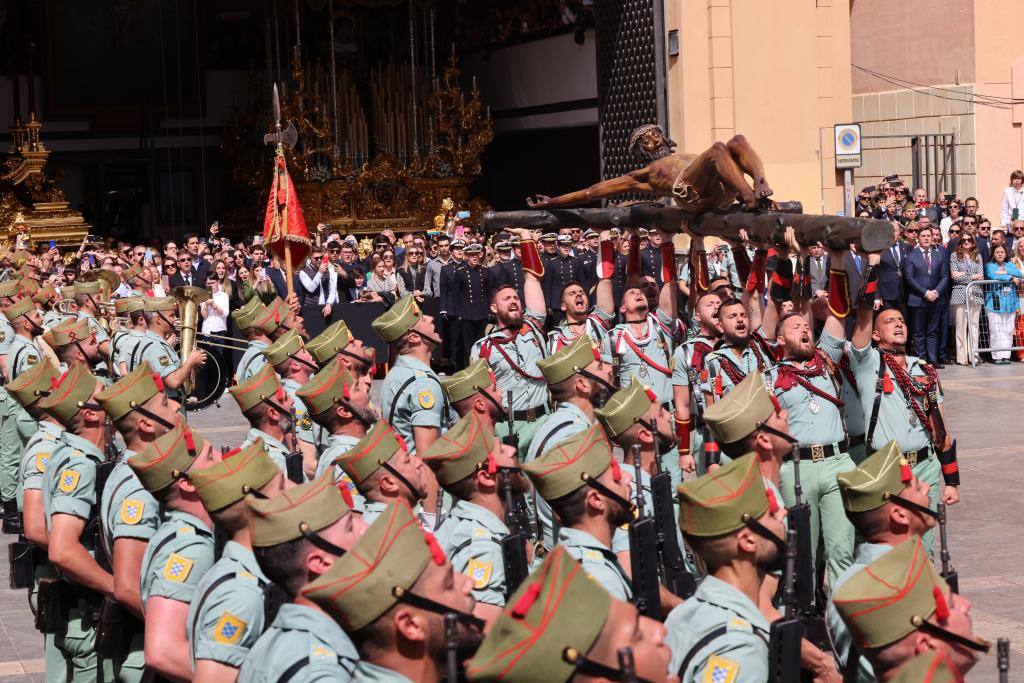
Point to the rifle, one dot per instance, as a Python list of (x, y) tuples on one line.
[(800, 520), (293, 460), (1003, 659), (513, 546), (451, 646), (677, 579), (512, 439), (627, 667), (948, 573), (643, 552), (787, 631)]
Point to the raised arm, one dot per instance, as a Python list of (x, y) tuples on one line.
[(635, 181), (865, 316), (533, 293)]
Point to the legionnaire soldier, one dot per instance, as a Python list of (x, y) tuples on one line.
[(688, 383), (227, 616), (886, 503), (899, 606), (398, 640), (294, 366), (161, 314), (28, 389), (517, 345), (129, 515), (560, 269), (296, 536), (734, 525), (411, 399), (474, 389), (931, 666), (582, 319), (337, 340), (71, 491), (10, 441), (268, 408), (47, 297), (124, 341), (383, 470), (579, 381), (585, 486), (73, 342), (905, 404), (468, 462), (743, 347), (255, 324), (182, 549), (27, 323), (89, 310), (340, 404), (560, 608)]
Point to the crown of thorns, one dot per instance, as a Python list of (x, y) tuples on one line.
[(641, 131)]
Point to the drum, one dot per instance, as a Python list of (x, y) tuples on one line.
[(211, 379)]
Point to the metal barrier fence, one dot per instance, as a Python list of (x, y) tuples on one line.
[(996, 305)]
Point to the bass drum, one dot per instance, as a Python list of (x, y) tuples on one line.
[(211, 379)]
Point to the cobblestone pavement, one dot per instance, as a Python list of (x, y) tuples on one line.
[(983, 406)]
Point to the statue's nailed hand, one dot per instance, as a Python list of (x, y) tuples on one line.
[(538, 201)]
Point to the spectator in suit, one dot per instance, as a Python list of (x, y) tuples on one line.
[(343, 256), (854, 265), (474, 302), (451, 329), (507, 271), (200, 267), (184, 276), (317, 290), (413, 272), (926, 277), (925, 209), (890, 274), (965, 266), (1001, 303), (819, 271)]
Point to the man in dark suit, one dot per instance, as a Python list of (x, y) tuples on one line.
[(474, 302), (199, 266), (507, 271), (819, 270), (559, 271), (183, 277), (926, 276), (451, 329), (890, 275)]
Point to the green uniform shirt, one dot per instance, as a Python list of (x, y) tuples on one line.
[(307, 430), (371, 673), (751, 359), (338, 445), (178, 555), (599, 562), (53, 318), (94, 326), (22, 354), (514, 362), (127, 509), (738, 655), (155, 350), (813, 419), (226, 617), (412, 397), (70, 478), (37, 453), (122, 345), (865, 554), (301, 635), (277, 451), (648, 356), (471, 537), (597, 325), (567, 420), (251, 362), (372, 509)]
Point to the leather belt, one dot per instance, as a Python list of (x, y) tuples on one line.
[(819, 451), (920, 455), (530, 414)]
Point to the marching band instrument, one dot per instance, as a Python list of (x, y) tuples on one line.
[(188, 299)]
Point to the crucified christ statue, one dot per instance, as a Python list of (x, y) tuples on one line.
[(702, 182)]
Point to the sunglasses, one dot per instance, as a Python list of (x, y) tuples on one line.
[(170, 264), (911, 230), (1018, 228), (968, 240), (954, 232)]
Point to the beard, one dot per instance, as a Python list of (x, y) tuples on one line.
[(285, 423), (599, 394), (773, 561), (368, 414), (517, 483), (799, 351), (618, 515), (736, 340), (467, 642), (511, 318)]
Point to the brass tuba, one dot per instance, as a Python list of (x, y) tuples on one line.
[(188, 299)]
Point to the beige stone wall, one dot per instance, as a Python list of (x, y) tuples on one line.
[(921, 112), (777, 73)]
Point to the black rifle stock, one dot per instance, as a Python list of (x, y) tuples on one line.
[(513, 546), (451, 646), (677, 579), (787, 631), (293, 460), (512, 439), (1003, 659), (800, 520), (948, 572), (643, 552)]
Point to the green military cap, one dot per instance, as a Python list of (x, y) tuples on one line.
[(717, 503), (892, 596), (19, 258), (568, 360), (92, 287), (230, 480), (328, 343), (167, 458), (461, 450), (261, 386), (626, 407), (327, 388), (128, 304), (33, 384), (131, 391), (69, 393), (132, 272), (397, 320), (294, 512), (152, 304), (736, 415), (19, 308), (931, 666), (28, 287), (69, 331), (560, 470), (45, 294), (8, 288), (393, 553), (869, 486), (246, 315), (286, 346), (378, 446), (557, 607), (475, 377)]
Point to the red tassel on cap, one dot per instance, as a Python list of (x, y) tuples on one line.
[(906, 475), (345, 393), (232, 453), (597, 354), (401, 442), (493, 379), (345, 493), (158, 381), (190, 444), (775, 402), (650, 394), (492, 467), (524, 603), (616, 470), (280, 394), (436, 551), (773, 503), (941, 607)]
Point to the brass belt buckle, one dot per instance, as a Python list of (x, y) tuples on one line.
[(817, 453), (911, 457), (531, 414)]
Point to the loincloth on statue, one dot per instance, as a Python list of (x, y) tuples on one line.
[(687, 196)]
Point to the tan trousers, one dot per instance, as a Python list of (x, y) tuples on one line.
[(963, 356)]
